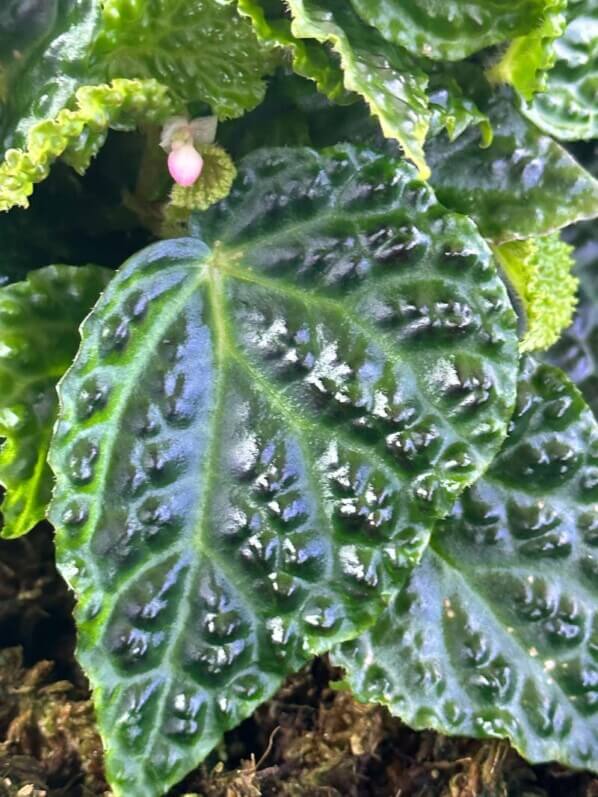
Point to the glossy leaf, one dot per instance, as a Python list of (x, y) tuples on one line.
[(76, 135), (528, 59), (495, 634), (450, 29), (50, 61), (203, 51), (577, 350), (514, 188), (39, 336), (255, 438), (539, 270), (391, 82), (568, 108)]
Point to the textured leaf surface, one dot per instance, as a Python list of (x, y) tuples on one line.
[(528, 59), (515, 187), (39, 336), (391, 82), (568, 108), (577, 350), (203, 51), (77, 134), (450, 29), (539, 269), (495, 635), (40, 79), (310, 59), (254, 440)]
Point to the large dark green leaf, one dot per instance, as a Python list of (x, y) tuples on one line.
[(450, 29), (496, 634), (524, 184), (568, 108), (257, 434), (39, 80), (39, 336)]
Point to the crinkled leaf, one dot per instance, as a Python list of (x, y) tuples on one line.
[(39, 336), (523, 185), (77, 135), (528, 59), (391, 82), (495, 634), (450, 29), (203, 51), (577, 350), (568, 108), (256, 435), (539, 270), (41, 80), (310, 59)]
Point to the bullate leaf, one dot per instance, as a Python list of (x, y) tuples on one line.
[(450, 29), (203, 51), (39, 336), (257, 434), (568, 108), (495, 634), (539, 270), (513, 188), (388, 78)]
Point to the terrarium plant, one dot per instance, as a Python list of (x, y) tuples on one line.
[(314, 411)]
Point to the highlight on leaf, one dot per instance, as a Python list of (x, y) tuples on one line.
[(539, 270), (77, 135), (39, 336), (494, 636)]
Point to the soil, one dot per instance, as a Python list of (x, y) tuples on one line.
[(310, 740)]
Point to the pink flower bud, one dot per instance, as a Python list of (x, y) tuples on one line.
[(185, 164)]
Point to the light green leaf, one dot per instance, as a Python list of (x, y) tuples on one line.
[(217, 176), (310, 59), (577, 350), (203, 51), (568, 108), (391, 82), (257, 434), (77, 135), (39, 336), (539, 270), (523, 185), (496, 633), (44, 57), (528, 59), (450, 29)]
